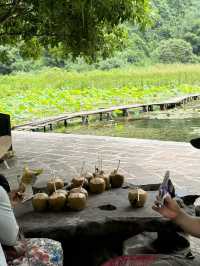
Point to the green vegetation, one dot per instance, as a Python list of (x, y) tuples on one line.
[(67, 56), (172, 35), (77, 26), (54, 91)]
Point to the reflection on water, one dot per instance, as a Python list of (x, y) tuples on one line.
[(160, 129)]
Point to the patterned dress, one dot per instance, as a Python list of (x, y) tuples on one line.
[(35, 252)]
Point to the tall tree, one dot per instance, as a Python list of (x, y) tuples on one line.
[(78, 24)]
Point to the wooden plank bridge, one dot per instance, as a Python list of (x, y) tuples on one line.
[(47, 124)]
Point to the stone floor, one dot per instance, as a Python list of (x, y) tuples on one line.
[(142, 161)]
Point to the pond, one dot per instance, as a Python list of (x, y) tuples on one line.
[(180, 124)]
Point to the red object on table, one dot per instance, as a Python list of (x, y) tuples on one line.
[(138, 260)]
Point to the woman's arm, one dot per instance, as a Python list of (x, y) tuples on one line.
[(8, 225), (171, 210)]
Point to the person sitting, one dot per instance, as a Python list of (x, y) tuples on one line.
[(171, 209), (13, 252)]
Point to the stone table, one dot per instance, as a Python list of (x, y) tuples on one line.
[(96, 233)]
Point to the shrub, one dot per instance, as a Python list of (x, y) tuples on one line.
[(174, 51)]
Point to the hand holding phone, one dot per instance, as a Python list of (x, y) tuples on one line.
[(166, 189)]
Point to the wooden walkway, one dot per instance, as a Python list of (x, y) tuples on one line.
[(47, 124)]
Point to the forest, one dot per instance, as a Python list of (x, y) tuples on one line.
[(172, 35)]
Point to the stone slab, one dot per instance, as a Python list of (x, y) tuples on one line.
[(93, 220), (142, 161)]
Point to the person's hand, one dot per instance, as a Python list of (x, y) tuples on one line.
[(16, 197), (170, 209)]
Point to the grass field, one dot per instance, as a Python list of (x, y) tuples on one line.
[(28, 96)]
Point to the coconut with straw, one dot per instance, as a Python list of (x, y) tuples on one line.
[(116, 179), (40, 202), (57, 200), (77, 198), (97, 184), (80, 179), (137, 197)]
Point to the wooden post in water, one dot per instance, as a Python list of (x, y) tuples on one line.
[(85, 120), (108, 116), (150, 108), (144, 108), (125, 112), (100, 116), (65, 123)]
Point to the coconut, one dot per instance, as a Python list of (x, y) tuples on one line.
[(78, 181), (106, 180), (55, 183), (137, 197), (64, 192), (79, 190), (116, 179), (77, 201), (57, 201), (40, 202), (97, 185), (88, 176)]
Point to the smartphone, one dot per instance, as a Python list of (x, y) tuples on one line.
[(166, 189)]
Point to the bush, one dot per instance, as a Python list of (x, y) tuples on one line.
[(110, 63), (174, 51), (194, 40)]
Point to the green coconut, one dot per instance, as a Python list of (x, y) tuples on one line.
[(78, 181), (97, 185), (116, 179), (77, 201), (57, 201), (137, 197), (64, 192), (40, 202), (88, 176), (79, 190), (55, 183)]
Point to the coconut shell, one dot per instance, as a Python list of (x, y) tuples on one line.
[(137, 197), (97, 185), (77, 201), (88, 176), (40, 202), (79, 190), (78, 181), (64, 192), (107, 181), (59, 184), (57, 201), (116, 180)]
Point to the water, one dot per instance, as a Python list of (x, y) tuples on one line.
[(179, 124), (160, 129)]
